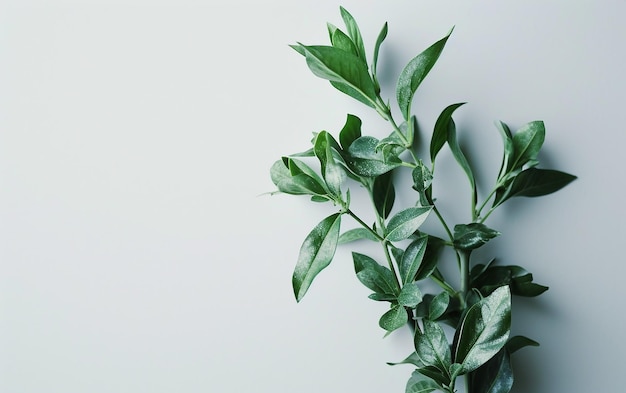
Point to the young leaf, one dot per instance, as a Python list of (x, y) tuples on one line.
[(376, 277), (383, 194), (350, 131), (300, 184), (394, 318), (507, 141), (365, 160), (316, 253), (472, 236), (340, 40), (412, 259), (422, 179), (410, 295), (332, 172), (440, 132), (527, 142), (381, 37), (354, 32), (414, 73), (345, 71), (460, 157), (484, 330), (404, 223), (419, 383), (431, 257), (357, 234), (432, 346), (438, 306)]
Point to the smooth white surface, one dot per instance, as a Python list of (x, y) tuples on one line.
[(136, 254)]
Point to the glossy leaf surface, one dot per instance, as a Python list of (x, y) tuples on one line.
[(495, 376), (484, 330), (527, 142), (438, 306), (410, 295), (300, 184), (534, 182), (414, 73), (460, 157), (472, 236), (432, 346), (440, 132), (412, 259), (356, 234), (376, 277), (366, 160), (394, 319), (350, 131), (316, 253), (419, 383), (384, 194), (404, 223)]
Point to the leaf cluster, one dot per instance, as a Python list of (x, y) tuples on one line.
[(478, 307)]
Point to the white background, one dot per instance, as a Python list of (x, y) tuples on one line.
[(137, 253)]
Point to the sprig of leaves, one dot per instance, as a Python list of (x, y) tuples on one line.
[(479, 306)]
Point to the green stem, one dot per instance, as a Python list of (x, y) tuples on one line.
[(364, 225), (465, 275), (385, 245)]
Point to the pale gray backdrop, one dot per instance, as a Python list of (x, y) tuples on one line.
[(137, 253)]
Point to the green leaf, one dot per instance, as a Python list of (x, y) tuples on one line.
[(410, 295), (381, 37), (300, 184), (365, 160), (345, 71), (383, 297), (394, 318), (332, 172), (414, 73), (518, 342), (383, 194), (340, 40), (517, 278), (495, 376), (472, 236), (527, 142), (376, 277), (507, 141), (316, 253), (460, 157), (431, 257), (419, 383), (432, 346), (404, 223), (412, 259), (357, 234), (413, 359), (534, 182), (439, 376), (440, 132), (422, 180), (438, 306), (484, 330), (354, 33), (350, 131)]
